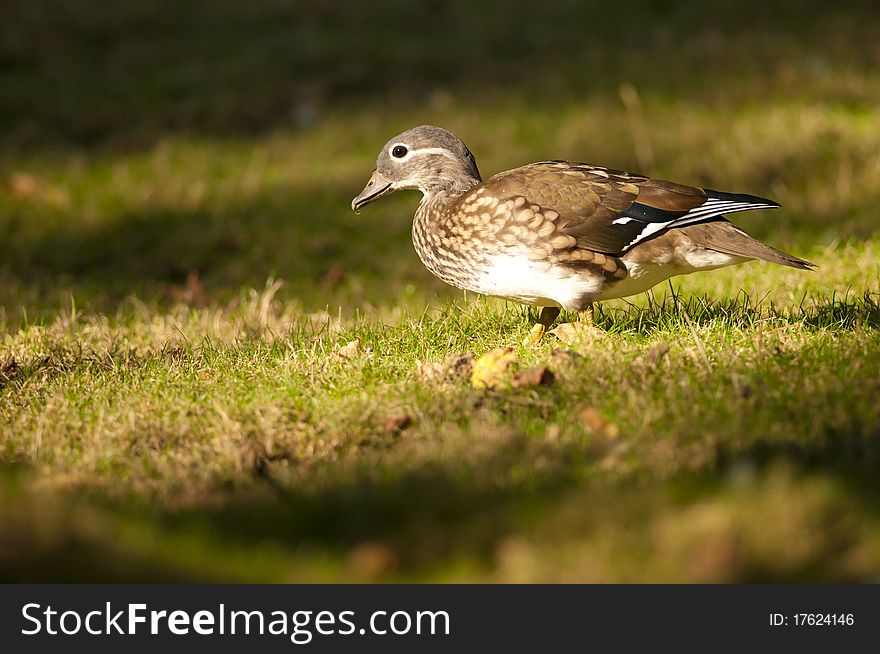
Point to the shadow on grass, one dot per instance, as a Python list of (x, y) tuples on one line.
[(674, 312), (467, 507), (307, 237), (854, 454), (421, 511), (425, 506)]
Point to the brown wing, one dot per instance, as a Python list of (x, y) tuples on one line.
[(609, 211), (584, 196)]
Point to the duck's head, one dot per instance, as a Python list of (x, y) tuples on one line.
[(427, 158)]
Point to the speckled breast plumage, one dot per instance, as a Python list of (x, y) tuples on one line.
[(465, 240)]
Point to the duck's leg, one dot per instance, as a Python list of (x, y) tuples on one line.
[(586, 316), (548, 315)]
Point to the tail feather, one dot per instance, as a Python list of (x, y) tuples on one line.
[(724, 236), (740, 197)]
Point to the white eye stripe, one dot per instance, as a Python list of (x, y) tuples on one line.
[(411, 153)]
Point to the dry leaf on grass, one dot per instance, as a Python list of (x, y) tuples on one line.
[(490, 370), (597, 424), (30, 187), (350, 350), (23, 185), (192, 292), (9, 368), (656, 353), (534, 376), (371, 559), (397, 424), (333, 277), (577, 333), (607, 446), (453, 368)]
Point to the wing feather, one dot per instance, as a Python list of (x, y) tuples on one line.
[(611, 211)]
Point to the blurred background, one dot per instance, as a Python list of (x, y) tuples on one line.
[(160, 160)]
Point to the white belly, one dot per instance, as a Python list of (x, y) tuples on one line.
[(536, 283), (642, 276), (542, 284)]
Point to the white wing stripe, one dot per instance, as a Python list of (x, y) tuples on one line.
[(717, 210), (736, 209), (709, 209), (650, 228)]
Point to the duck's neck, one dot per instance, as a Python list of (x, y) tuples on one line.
[(435, 204), (436, 238), (438, 199)]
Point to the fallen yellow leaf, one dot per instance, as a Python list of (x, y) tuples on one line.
[(490, 370)]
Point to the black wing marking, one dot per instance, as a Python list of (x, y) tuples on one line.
[(640, 221)]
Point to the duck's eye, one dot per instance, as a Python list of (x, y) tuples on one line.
[(399, 151)]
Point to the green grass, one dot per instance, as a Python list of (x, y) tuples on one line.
[(180, 268)]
